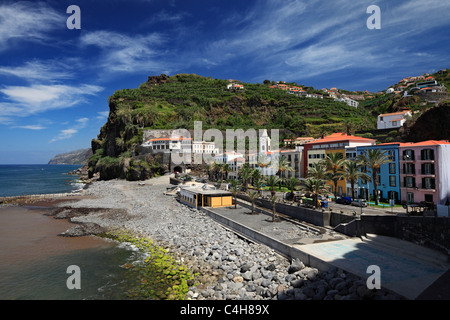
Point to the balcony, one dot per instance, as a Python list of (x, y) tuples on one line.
[(419, 186)]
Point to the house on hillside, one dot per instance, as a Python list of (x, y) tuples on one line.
[(392, 120), (235, 86)]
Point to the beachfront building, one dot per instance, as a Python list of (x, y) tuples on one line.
[(388, 184), (425, 172), (317, 151), (166, 145), (196, 197)]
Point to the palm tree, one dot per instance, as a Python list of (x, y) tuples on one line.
[(316, 187), (217, 168), (334, 164), (253, 195), (353, 173), (234, 190), (283, 166), (246, 174), (291, 184), (226, 169), (258, 185), (272, 182), (373, 159), (256, 175), (207, 169), (317, 171), (263, 162)]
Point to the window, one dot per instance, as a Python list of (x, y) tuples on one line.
[(408, 155), (428, 183), (429, 198), (427, 154), (394, 123), (427, 168), (392, 169), (391, 155), (392, 181), (409, 168), (409, 182)]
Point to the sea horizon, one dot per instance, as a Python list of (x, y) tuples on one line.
[(31, 179)]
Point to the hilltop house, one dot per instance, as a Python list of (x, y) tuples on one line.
[(392, 120), (235, 86)]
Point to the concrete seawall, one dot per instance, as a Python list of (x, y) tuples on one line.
[(282, 248), (38, 197)]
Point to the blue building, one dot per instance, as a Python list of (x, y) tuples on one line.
[(388, 174)]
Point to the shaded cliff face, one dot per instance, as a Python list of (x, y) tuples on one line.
[(432, 125)]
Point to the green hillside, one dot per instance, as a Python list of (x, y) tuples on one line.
[(187, 98), (176, 102)]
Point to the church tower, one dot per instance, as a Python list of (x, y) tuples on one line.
[(264, 143)]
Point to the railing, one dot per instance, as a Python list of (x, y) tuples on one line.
[(418, 186)]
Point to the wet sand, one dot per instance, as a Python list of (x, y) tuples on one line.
[(27, 234)]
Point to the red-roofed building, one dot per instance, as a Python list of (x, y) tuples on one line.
[(392, 120), (316, 151), (425, 172)]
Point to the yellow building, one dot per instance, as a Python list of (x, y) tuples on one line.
[(199, 198)]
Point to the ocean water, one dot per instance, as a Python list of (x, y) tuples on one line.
[(16, 180), (34, 260)]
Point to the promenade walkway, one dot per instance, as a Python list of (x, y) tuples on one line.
[(410, 270)]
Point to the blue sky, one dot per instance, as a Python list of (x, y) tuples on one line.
[(55, 82)]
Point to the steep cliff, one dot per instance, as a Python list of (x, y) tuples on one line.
[(433, 124), (74, 157)]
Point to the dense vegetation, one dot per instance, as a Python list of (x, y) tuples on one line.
[(176, 102)]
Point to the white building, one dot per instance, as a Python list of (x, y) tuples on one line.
[(235, 86), (350, 102), (175, 144), (392, 120), (204, 147)]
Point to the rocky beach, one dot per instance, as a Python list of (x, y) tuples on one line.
[(228, 266)]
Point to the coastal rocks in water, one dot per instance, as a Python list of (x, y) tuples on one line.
[(82, 230)]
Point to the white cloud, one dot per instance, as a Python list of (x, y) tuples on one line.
[(27, 21), (70, 132), (294, 40), (103, 115), (22, 101), (39, 70), (32, 127), (123, 53)]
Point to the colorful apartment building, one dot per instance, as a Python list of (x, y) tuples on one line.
[(388, 184), (317, 150), (425, 172), (418, 173)]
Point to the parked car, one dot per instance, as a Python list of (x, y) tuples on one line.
[(344, 200), (359, 203)]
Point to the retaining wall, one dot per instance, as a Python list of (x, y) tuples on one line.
[(282, 248)]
